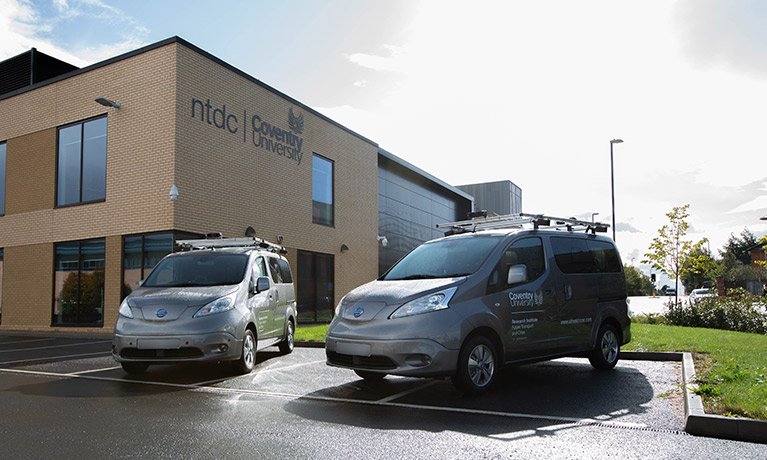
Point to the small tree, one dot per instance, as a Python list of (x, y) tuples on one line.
[(669, 251), (637, 283)]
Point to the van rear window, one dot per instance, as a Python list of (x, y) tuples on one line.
[(577, 255)]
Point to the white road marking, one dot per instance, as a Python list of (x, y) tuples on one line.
[(55, 346), (407, 392), (49, 358), (270, 394)]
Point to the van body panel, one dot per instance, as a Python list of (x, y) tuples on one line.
[(570, 290)]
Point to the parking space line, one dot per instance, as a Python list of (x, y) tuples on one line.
[(49, 358), (269, 394), (410, 391), (55, 346), (95, 370), (25, 341)]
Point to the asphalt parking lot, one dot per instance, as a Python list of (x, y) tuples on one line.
[(57, 382)]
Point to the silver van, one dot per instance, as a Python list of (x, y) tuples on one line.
[(469, 303), (219, 300)]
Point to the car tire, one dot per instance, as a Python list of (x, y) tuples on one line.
[(247, 360), (606, 349), (286, 346), (370, 376), (477, 365), (135, 368)]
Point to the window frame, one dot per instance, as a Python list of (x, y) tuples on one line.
[(332, 191), (82, 124), (3, 176)]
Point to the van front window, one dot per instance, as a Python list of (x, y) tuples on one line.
[(203, 269), (445, 258)]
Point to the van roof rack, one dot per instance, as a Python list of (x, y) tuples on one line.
[(219, 242), (518, 220)]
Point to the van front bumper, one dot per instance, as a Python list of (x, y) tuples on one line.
[(216, 346), (408, 357)]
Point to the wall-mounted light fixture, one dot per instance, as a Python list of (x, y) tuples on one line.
[(344, 248), (173, 193), (382, 240), (250, 231), (108, 103)]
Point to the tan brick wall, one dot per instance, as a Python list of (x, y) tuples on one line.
[(226, 183), (250, 186), (31, 172), (28, 286)]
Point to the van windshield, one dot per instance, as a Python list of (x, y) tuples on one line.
[(203, 269), (444, 258)]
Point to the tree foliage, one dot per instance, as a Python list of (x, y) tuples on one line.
[(669, 251), (637, 283)]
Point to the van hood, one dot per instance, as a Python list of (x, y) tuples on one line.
[(367, 301), (174, 300)]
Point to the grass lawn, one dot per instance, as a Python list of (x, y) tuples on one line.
[(731, 367)]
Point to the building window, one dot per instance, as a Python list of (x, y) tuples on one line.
[(3, 155), (82, 162), (79, 284), (322, 190), (315, 287), (142, 252)]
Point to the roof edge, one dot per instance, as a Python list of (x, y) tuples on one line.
[(423, 173)]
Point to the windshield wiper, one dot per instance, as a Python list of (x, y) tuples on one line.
[(416, 277)]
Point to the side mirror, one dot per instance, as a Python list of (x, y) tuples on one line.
[(262, 284), (517, 274)]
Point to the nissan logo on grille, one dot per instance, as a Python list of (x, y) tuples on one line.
[(161, 313), (358, 312)]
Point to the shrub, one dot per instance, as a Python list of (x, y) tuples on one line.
[(738, 311)]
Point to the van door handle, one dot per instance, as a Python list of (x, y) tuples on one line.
[(548, 292), (568, 291)]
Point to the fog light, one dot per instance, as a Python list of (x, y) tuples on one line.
[(418, 360), (220, 348)]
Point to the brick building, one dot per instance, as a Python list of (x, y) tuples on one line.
[(89, 159)]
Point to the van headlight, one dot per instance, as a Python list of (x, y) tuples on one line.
[(340, 306), (217, 306), (432, 302), (125, 309)]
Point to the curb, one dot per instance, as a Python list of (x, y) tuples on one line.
[(697, 422)]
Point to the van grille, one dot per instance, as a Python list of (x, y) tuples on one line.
[(367, 362), (181, 353)]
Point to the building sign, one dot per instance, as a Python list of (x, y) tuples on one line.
[(263, 133)]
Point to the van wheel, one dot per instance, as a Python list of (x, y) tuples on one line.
[(476, 365), (607, 348), (134, 368), (370, 376), (286, 346), (247, 360)]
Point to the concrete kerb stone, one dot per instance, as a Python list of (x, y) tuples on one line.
[(697, 422)]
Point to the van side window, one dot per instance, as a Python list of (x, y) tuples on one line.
[(527, 252), (577, 255), (275, 270), (259, 268), (284, 268)]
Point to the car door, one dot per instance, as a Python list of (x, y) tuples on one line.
[(579, 291), (525, 306), (262, 303)]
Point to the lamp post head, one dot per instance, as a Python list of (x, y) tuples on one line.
[(616, 141), (107, 103)]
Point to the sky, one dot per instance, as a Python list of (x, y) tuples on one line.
[(480, 91)]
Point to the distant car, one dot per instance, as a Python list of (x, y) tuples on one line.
[(698, 294)]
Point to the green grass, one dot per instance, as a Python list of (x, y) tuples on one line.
[(731, 366), (312, 333)]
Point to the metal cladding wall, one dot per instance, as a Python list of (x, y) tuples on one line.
[(501, 197), (410, 205)]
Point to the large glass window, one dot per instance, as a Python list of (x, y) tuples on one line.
[(3, 155), (142, 252), (315, 287), (322, 190), (82, 162), (79, 284)]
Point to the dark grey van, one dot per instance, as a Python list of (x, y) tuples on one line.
[(222, 302), (467, 304)]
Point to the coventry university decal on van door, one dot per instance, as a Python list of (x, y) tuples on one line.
[(264, 133), (525, 299)]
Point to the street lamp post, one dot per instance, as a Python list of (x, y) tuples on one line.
[(612, 179)]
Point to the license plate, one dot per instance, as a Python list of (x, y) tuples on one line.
[(355, 349), (158, 344)]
